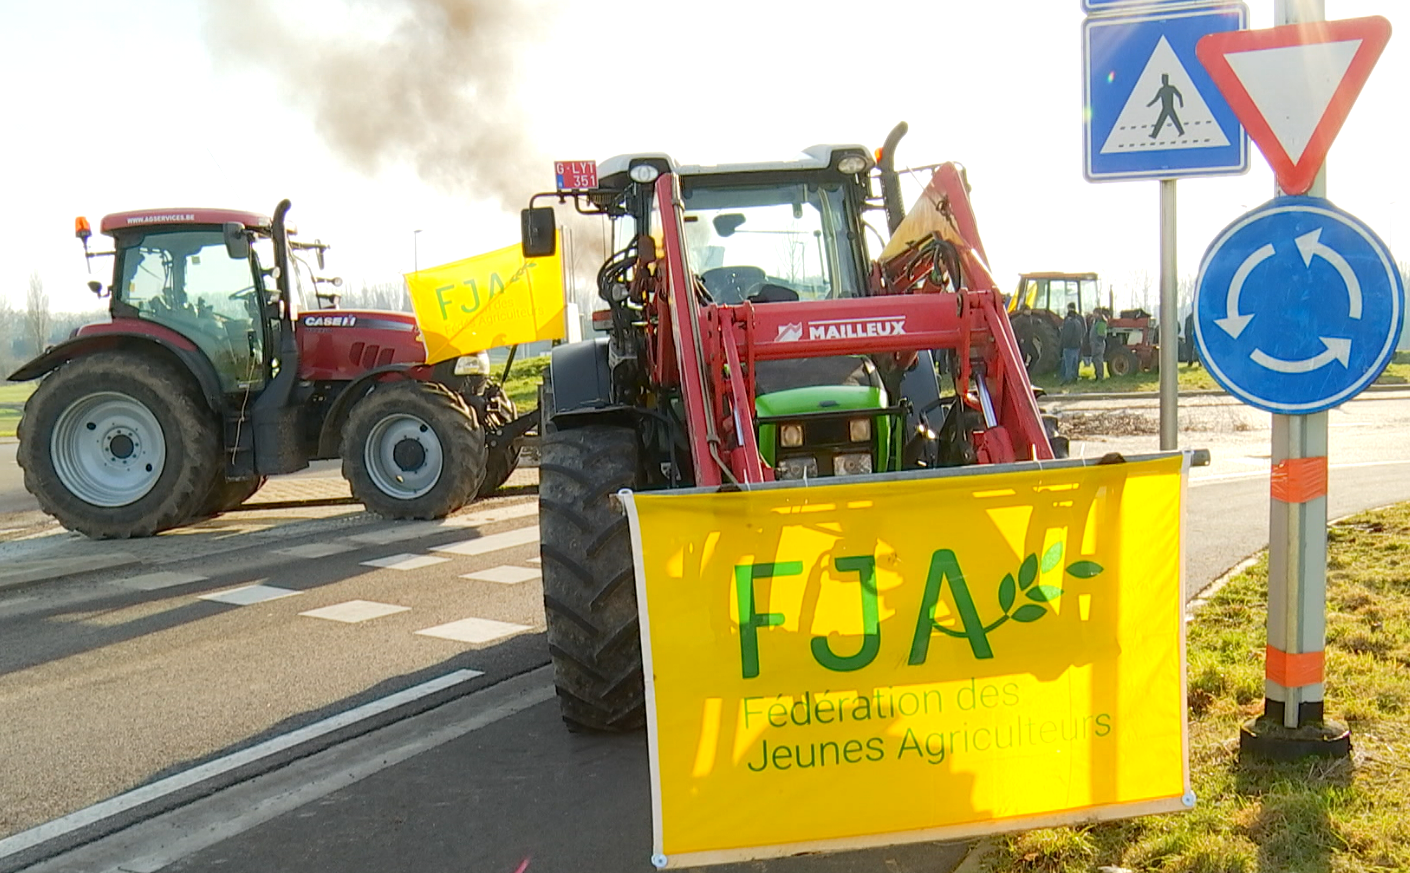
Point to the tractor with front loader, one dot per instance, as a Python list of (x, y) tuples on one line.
[(755, 338), (218, 368)]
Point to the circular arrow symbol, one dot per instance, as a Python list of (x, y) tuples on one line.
[(1310, 244), (1234, 323), (1338, 349)]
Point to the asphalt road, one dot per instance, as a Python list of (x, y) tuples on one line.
[(122, 678)]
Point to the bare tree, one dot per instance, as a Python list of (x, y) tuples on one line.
[(37, 320), (1139, 285), (1187, 292), (381, 295)]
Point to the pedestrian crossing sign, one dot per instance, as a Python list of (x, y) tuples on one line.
[(1151, 111)]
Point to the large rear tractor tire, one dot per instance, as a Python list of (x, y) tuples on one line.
[(1038, 342), (502, 460), (589, 592), (119, 445), (413, 450)]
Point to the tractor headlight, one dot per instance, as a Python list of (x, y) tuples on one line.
[(797, 468), (859, 429), (643, 173), (477, 364), (791, 435), (852, 464), (852, 164)]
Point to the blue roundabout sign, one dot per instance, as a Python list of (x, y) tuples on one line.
[(1298, 306)]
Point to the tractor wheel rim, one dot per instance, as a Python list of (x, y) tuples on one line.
[(403, 456), (108, 449)]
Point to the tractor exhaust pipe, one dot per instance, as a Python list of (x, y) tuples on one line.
[(890, 180)]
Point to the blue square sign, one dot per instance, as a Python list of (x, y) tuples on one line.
[(1107, 7), (1150, 109)]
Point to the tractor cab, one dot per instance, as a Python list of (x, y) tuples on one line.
[(195, 272), (764, 233)]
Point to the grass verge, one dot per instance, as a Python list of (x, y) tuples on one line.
[(1191, 378), (1308, 817), (12, 398), (523, 384)]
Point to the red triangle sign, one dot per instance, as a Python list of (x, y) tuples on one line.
[(1293, 86)]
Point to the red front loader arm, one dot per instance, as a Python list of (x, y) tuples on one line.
[(709, 350)]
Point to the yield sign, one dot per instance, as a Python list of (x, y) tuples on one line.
[(1293, 86)]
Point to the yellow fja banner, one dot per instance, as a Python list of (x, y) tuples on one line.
[(853, 665), (490, 300)]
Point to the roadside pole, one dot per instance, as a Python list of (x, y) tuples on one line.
[(1295, 663), (1169, 322), (1256, 339)]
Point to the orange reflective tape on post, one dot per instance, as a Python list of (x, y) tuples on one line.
[(1294, 670), (1298, 480)]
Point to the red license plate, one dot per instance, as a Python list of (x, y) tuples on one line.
[(575, 175)]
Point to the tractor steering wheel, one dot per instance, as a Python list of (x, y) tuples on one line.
[(732, 284)]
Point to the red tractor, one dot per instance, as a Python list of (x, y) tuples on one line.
[(754, 339), (1036, 311), (212, 374)]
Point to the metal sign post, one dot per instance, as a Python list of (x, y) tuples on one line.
[(1298, 308), (1152, 112)]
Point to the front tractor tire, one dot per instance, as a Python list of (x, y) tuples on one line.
[(589, 591), (413, 450), (119, 445)]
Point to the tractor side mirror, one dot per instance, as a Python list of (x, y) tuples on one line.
[(727, 223), (538, 233), (237, 245)]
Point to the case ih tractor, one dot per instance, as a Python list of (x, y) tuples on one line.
[(1036, 311), (210, 377), (754, 338)]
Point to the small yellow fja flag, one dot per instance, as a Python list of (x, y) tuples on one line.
[(496, 299)]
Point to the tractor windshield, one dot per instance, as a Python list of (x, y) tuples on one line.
[(793, 236), (186, 280)]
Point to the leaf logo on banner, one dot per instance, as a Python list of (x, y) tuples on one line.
[(945, 566)]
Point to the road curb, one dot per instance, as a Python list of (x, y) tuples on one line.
[(18, 574)]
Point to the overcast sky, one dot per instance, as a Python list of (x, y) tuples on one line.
[(381, 117)]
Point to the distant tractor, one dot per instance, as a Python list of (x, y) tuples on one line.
[(1036, 311), (210, 376)]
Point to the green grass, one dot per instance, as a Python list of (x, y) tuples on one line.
[(12, 398), (1192, 378), (1303, 817), (1397, 372), (523, 384)]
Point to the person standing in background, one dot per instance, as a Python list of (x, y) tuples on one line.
[(1074, 329), (1096, 340)]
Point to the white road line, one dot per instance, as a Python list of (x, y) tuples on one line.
[(162, 787), (398, 532), (535, 561), (355, 611), (498, 513), (155, 581), (492, 543), (404, 562), (504, 575), (474, 630), (250, 594), (315, 550)]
